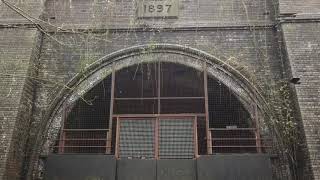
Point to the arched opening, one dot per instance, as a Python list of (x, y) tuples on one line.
[(166, 112), (159, 110)]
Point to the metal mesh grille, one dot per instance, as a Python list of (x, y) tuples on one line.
[(85, 141), (146, 95), (136, 138), (174, 106), (176, 139), (180, 81), (231, 127), (146, 106), (85, 128), (137, 81), (234, 141)]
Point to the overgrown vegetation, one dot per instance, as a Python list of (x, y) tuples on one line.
[(277, 96)]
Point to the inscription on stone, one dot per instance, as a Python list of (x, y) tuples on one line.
[(158, 8), (176, 170)]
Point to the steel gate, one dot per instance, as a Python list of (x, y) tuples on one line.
[(161, 137)]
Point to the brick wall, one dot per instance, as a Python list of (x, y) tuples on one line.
[(303, 48), (17, 51), (307, 7), (102, 14), (237, 30), (9, 17), (300, 30), (256, 50), (260, 55)]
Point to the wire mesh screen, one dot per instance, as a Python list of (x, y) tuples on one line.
[(234, 141), (136, 89), (91, 111), (176, 138), (137, 81), (91, 141), (85, 128), (231, 127), (176, 106), (136, 138), (136, 106), (157, 138), (149, 91), (180, 81)]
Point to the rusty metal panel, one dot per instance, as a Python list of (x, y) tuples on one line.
[(80, 167), (231, 167), (176, 169)]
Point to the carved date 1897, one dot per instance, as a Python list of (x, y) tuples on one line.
[(165, 8)]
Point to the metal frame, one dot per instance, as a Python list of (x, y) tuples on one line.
[(208, 132), (157, 115), (257, 138), (109, 135), (195, 137), (62, 133), (117, 138), (159, 87), (156, 118), (257, 132), (158, 98), (209, 138)]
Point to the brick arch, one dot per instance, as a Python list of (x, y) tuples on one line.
[(246, 92), (225, 73)]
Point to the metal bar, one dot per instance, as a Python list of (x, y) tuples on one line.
[(163, 117), (173, 98), (63, 142), (62, 133), (240, 139), (159, 87), (205, 84), (159, 115), (257, 132), (84, 146), (117, 138), (84, 139), (136, 99), (136, 118), (109, 135), (224, 129), (86, 129), (154, 98), (156, 139), (239, 146), (195, 135), (180, 118)]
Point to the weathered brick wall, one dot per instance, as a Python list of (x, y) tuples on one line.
[(300, 8), (303, 48), (102, 14), (17, 51), (300, 30), (257, 51), (231, 37), (222, 28), (9, 17), (59, 63)]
